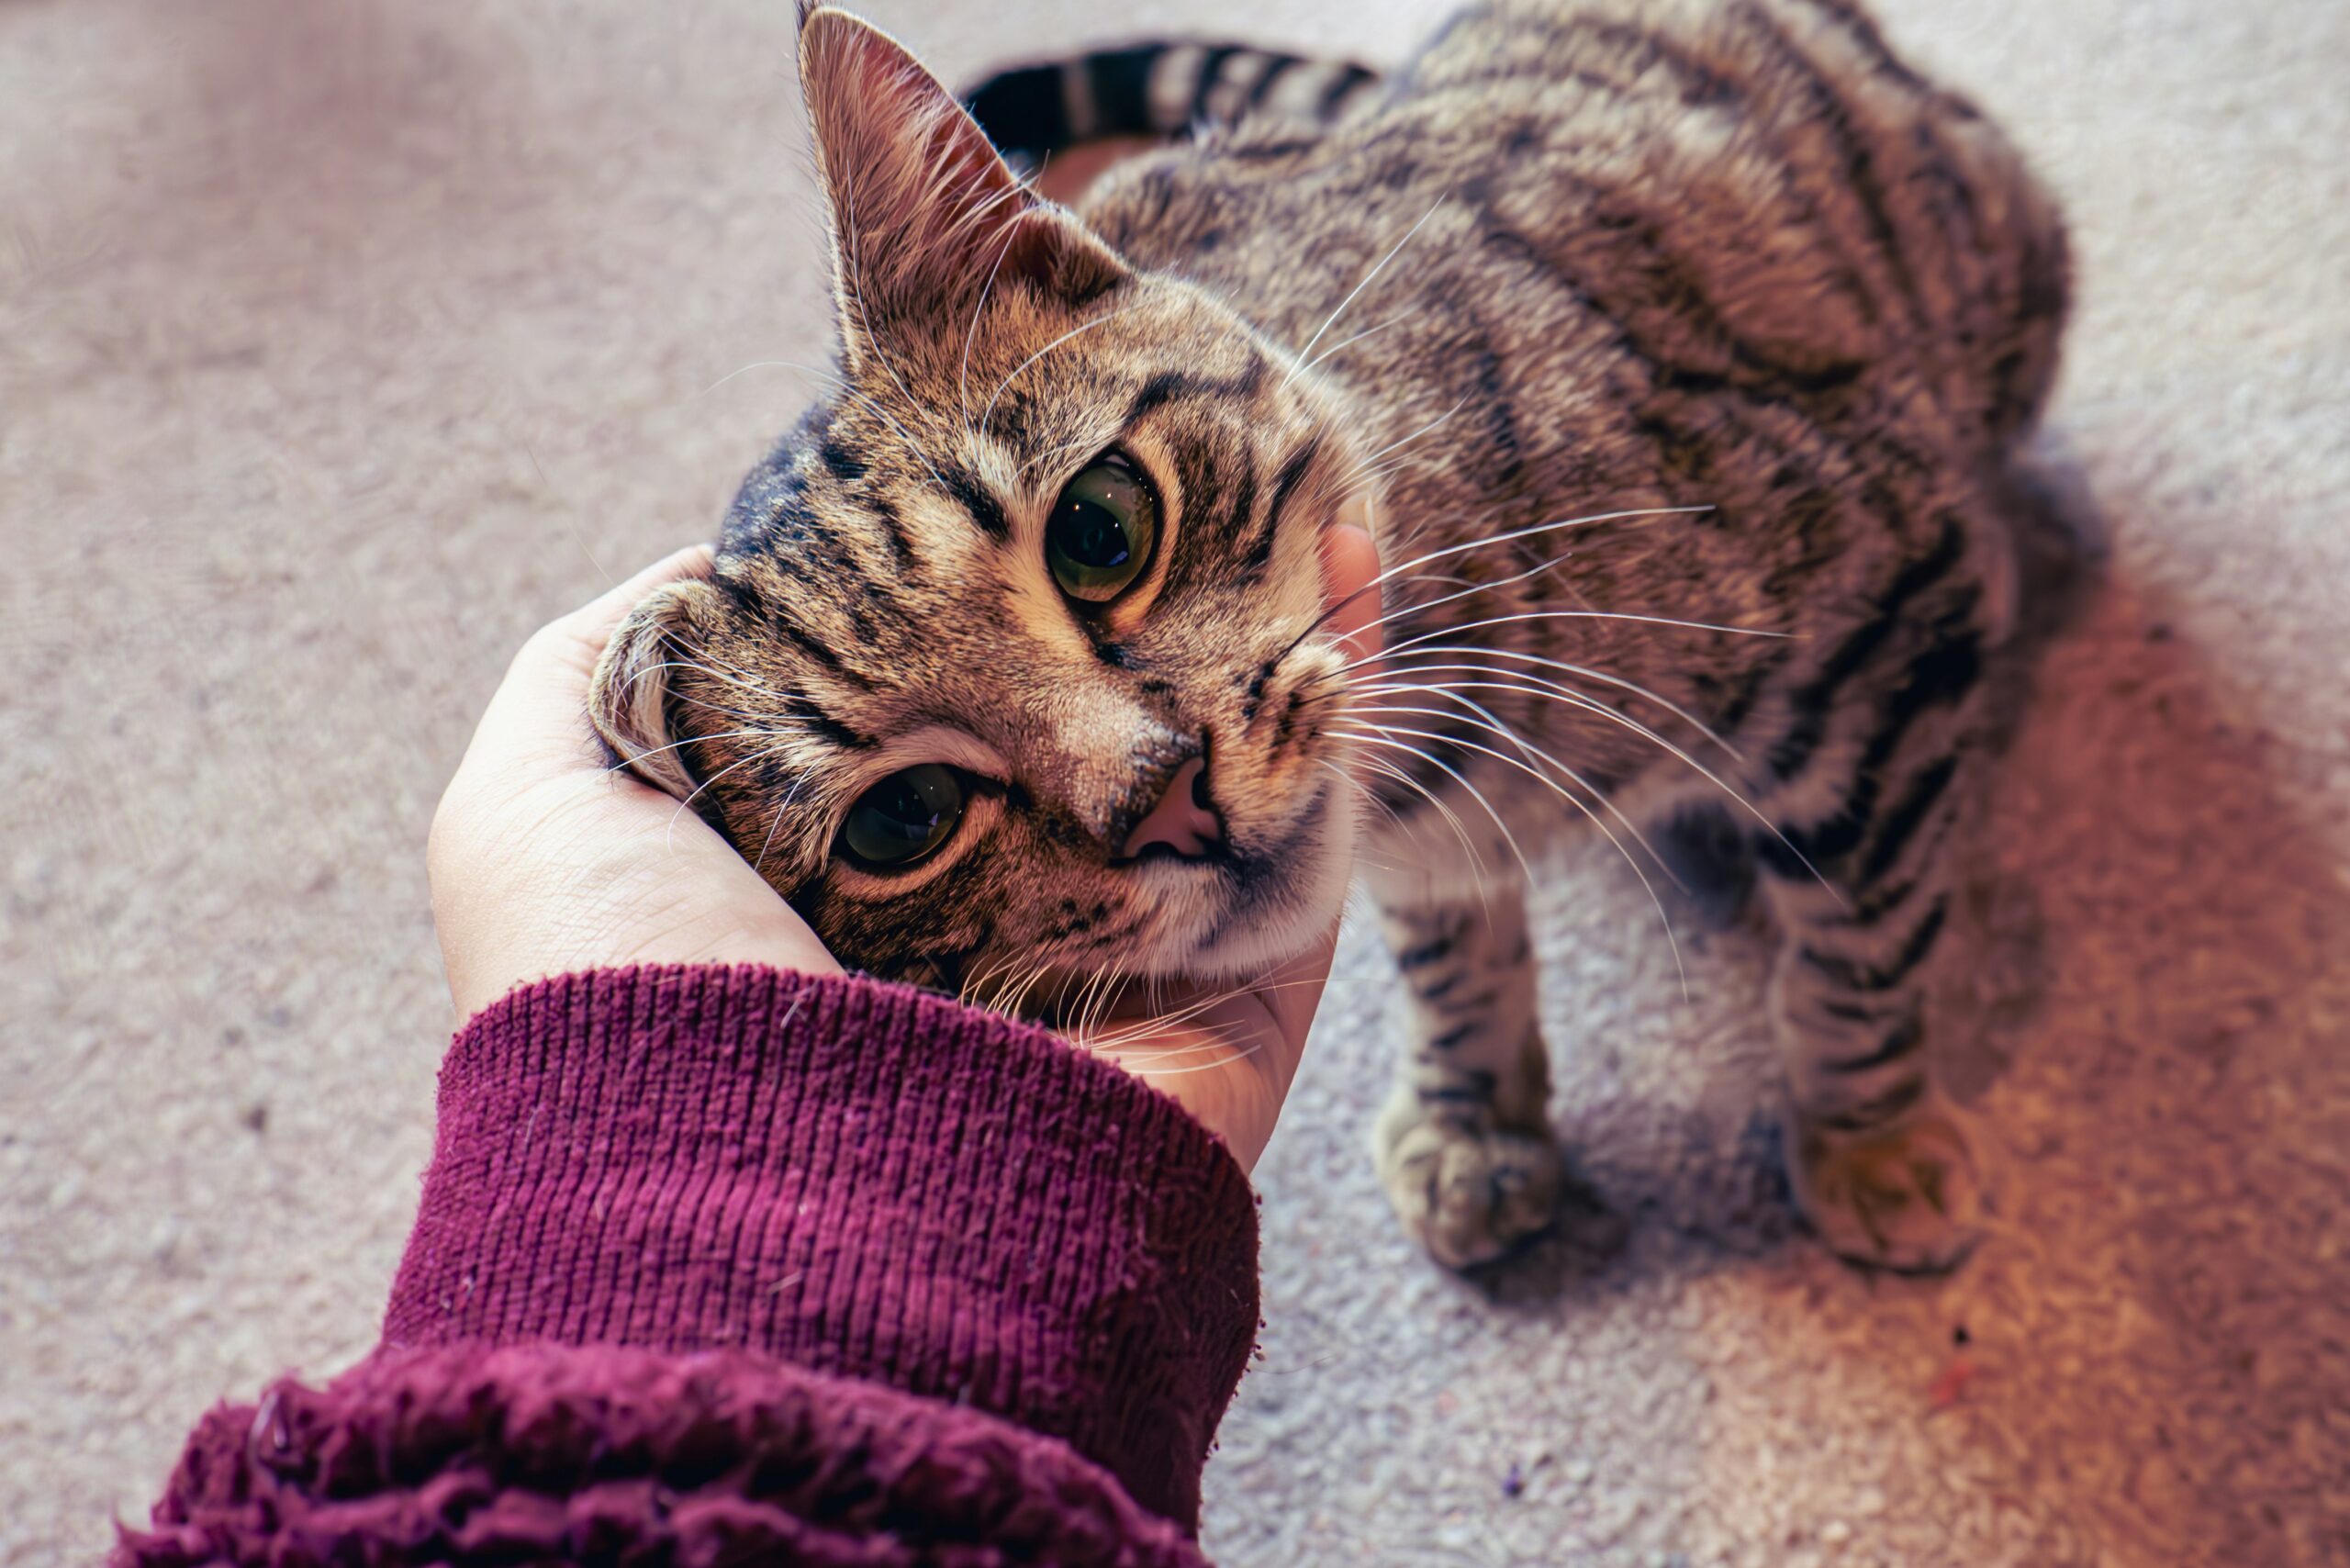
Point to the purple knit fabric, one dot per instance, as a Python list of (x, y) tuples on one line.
[(720, 1265)]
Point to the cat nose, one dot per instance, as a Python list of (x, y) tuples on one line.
[(1184, 820)]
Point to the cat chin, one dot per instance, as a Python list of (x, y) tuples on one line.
[(1278, 902)]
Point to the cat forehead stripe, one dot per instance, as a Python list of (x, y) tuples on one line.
[(986, 512)]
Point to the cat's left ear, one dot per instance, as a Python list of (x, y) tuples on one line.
[(924, 209)]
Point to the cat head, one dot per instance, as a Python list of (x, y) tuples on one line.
[(1012, 657)]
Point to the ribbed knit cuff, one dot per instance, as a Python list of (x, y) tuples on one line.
[(548, 1454), (855, 1177)]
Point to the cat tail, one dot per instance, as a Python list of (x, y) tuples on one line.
[(1160, 90)]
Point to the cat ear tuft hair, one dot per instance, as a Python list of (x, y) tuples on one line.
[(631, 701), (924, 209)]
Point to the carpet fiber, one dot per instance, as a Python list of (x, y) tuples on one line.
[(340, 345)]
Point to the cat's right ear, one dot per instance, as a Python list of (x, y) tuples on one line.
[(923, 211), (632, 701)]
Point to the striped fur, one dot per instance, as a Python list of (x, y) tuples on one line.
[(1725, 275), (1160, 91)]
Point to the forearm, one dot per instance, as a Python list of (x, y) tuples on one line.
[(760, 1251)]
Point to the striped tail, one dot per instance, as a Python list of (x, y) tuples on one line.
[(1160, 90)]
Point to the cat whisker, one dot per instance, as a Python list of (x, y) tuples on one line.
[(972, 982), (718, 675), (1111, 981), (1393, 572), (1485, 719), (1237, 1053), (569, 513), (1108, 315), (994, 987), (1306, 355), (1370, 470), (1402, 442), (1467, 587), (1378, 736), (1372, 478), (1102, 990), (963, 376), (1132, 1046), (831, 382), (1012, 982), (1346, 343), (1448, 579), (1365, 790), (735, 715), (1672, 939), (1015, 998), (733, 674), (742, 679), (1365, 476), (1156, 1021), (855, 270), (756, 689), (1564, 615), (1052, 454), (1601, 710), (1459, 829), (755, 364), (1406, 666), (760, 864), (1516, 533), (626, 763), (756, 757), (1154, 1011)]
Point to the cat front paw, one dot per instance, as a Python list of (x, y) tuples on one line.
[(1469, 1193), (1907, 1198)]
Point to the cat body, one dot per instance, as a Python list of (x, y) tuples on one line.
[(1672, 351)]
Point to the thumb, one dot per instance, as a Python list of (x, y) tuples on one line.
[(1350, 587)]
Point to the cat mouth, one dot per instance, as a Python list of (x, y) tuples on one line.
[(1269, 894), (1216, 853)]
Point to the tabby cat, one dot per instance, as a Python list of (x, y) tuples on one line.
[(1674, 349)]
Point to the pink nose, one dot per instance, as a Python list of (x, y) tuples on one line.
[(1183, 819)]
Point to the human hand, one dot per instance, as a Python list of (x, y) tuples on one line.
[(544, 859)]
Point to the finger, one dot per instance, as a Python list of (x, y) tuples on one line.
[(1294, 992), (538, 715), (589, 627), (1349, 579)]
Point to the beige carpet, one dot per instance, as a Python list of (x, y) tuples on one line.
[(340, 344)]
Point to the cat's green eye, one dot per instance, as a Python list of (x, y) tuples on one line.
[(1103, 528), (903, 818)]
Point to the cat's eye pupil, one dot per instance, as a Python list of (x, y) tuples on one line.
[(904, 817), (1092, 537), (1099, 539)]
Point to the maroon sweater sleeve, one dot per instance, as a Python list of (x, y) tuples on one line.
[(719, 1265)]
